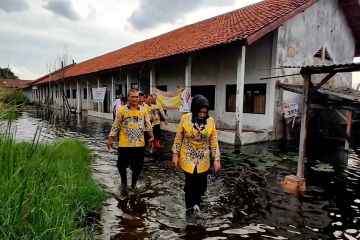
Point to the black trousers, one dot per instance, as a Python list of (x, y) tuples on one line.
[(157, 131), (195, 188), (133, 157)]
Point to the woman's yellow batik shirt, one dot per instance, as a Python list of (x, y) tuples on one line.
[(131, 125), (194, 143)]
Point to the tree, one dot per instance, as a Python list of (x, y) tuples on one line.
[(6, 73)]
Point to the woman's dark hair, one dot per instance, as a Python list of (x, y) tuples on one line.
[(198, 102)]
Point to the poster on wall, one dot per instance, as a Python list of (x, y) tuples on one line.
[(98, 94), (185, 98)]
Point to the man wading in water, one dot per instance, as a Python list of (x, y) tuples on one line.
[(131, 122)]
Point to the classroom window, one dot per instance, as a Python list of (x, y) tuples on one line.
[(74, 93), (67, 93), (230, 98), (162, 87), (118, 89), (85, 93), (255, 98), (207, 91)]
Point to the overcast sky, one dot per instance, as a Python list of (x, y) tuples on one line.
[(33, 32)]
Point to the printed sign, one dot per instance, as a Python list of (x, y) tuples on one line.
[(185, 98), (98, 94), (291, 110)]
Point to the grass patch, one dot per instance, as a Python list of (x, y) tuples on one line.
[(46, 191)]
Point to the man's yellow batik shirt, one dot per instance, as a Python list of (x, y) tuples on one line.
[(149, 109), (131, 125), (157, 111), (194, 143)]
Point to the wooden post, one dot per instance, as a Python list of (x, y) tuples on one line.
[(348, 130), (292, 183), (304, 127), (240, 79)]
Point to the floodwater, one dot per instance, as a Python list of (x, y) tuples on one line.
[(244, 199)]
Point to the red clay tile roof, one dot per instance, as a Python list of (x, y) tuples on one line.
[(246, 24), (58, 74), (14, 83)]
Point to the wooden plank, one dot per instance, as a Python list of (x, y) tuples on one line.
[(348, 130), (303, 129), (327, 78)]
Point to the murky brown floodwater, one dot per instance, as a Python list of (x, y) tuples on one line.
[(244, 200)]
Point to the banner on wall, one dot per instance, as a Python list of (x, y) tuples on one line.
[(98, 94), (175, 100)]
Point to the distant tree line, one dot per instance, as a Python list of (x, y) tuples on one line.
[(6, 73)]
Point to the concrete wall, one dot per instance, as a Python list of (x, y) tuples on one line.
[(322, 25), (172, 75), (211, 67), (217, 67), (258, 65)]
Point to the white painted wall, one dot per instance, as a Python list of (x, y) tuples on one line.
[(171, 74), (323, 24), (258, 65)]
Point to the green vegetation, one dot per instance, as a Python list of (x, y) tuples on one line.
[(6, 73), (46, 191), (12, 97)]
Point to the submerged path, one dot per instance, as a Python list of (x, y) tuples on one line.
[(243, 200)]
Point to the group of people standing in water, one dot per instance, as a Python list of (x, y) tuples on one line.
[(137, 124)]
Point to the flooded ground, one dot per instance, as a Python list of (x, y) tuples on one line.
[(244, 200)]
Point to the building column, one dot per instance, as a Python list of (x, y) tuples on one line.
[(50, 89), (112, 93), (71, 95), (240, 79), (41, 93), (188, 67), (64, 95), (78, 97), (152, 78), (127, 84), (59, 95), (99, 104), (88, 96)]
